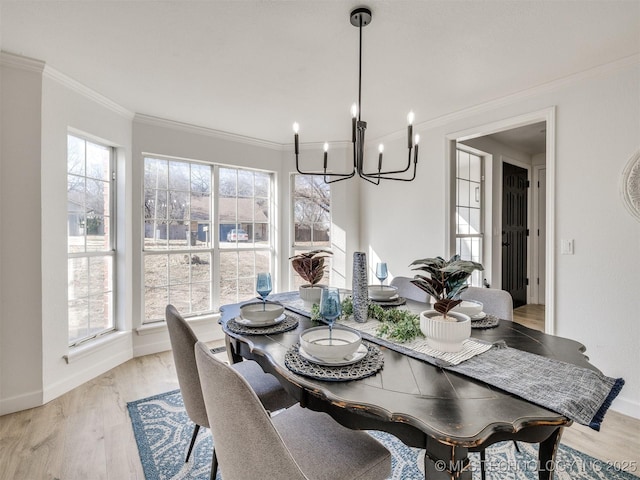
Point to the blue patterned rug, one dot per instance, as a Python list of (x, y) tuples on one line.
[(163, 430)]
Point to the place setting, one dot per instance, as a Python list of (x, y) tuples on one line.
[(479, 319), (330, 352), (384, 295), (262, 317)]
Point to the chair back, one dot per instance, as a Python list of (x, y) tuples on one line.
[(495, 302), (409, 291), (183, 341), (246, 441)]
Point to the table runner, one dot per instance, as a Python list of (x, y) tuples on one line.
[(581, 394)]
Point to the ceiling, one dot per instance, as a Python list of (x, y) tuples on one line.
[(530, 139), (252, 68)]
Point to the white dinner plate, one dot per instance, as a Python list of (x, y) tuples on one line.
[(353, 358), (252, 323), (479, 316)]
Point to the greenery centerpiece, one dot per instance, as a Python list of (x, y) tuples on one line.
[(399, 325), (444, 280), (311, 267)]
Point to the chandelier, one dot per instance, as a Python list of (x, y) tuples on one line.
[(361, 17)]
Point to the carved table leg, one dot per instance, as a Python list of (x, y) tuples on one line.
[(446, 462), (547, 455), (232, 349)]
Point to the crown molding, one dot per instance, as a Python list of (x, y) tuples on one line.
[(13, 60), (74, 85), (209, 132), (37, 66), (518, 96)]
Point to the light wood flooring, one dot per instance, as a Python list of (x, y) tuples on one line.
[(86, 434)]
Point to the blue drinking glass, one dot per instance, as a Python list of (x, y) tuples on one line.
[(263, 286), (330, 307), (381, 272)]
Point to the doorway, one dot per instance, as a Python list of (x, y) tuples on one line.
[(521, 218)]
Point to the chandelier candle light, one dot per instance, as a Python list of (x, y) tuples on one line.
[(361, 17)]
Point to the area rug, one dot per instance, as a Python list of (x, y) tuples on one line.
[(162, 430)]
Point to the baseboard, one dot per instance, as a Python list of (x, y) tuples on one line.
[(21, 402), (92, 371), (626, 407)]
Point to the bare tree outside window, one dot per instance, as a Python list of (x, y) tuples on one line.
[(91, 249), (311, 198)]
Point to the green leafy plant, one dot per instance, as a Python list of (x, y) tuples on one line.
[(399, 325), (310, 265), (446, 281)]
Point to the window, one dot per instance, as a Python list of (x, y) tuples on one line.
[(244, 216), (469, 213), (184, 239), (90, 239), (311, 198)]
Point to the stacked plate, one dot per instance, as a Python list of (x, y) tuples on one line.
[(261, 314), (339, 347)]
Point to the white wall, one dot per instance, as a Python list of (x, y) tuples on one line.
[(65, 108), (596, 290), (21, 237)]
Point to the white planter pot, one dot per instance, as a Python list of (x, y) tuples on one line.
[(445, 335), (310, 293)]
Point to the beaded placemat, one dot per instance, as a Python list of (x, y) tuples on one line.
[(490, 321), (289, 323), (369, 365)]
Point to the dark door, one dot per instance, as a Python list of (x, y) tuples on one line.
[(514, 232)]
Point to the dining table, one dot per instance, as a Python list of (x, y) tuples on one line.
[(424, 405)]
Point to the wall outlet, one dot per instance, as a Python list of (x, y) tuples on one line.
[(566, 247)]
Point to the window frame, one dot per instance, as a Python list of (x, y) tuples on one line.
[(110, 252), (212, 247), (476, 277), (296, 247)]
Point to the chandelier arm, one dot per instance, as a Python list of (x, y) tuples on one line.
[(391, 172), (361, 175), (345, 175), (409, 179)]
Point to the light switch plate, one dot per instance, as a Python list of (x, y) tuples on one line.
[(566, 247)]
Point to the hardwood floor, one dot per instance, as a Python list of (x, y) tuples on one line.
[(619, 438), (530, 315), (86, 434)]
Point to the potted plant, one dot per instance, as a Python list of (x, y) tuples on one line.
[(447, 279), (311, 267)]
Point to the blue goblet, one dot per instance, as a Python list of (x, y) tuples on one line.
[(263, 286), (330, 307), (381, 272)]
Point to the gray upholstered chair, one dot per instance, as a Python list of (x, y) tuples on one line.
[(295, 444), (409, 291), (495, 302), (183, 340)]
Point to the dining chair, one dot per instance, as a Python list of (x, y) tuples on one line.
[(409, 291), (183, 339), (495, 302), (295, 444)]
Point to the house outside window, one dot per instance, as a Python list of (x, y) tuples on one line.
[(90, 239), (194, 258), (311, 227)]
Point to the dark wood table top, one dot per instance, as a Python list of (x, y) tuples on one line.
[(419, 402)]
